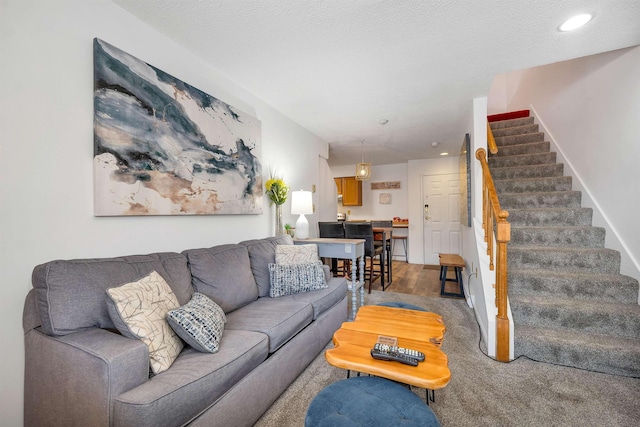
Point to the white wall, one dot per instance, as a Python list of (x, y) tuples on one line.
[(46, 126), (590, 107)]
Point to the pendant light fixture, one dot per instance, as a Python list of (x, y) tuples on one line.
[(363, 170)]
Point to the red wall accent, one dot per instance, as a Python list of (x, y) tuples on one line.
[(508, 116)]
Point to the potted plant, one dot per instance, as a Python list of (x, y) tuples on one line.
[(290, 230)]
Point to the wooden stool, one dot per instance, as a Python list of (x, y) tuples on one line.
[(455, 261)]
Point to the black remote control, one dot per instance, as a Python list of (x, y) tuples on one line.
[(414, 354), (381, 352)]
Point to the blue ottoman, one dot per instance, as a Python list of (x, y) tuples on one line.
[(368, 401), (402, 305)]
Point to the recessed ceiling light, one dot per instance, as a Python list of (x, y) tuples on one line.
[(435, 143), (575, 22), (444, 154), (383, 121)]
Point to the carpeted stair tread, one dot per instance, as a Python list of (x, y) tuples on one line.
[(511, 123), (558, 236), (550, 216), (522, 149), (596, 260), (505, 141), (621, 320), (522, 160), (534, 171), (562, 284), (566, 199), (594, 352), (570, 304), (515, 130), (531, 185)]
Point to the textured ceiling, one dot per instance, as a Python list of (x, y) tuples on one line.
[(337, 67)]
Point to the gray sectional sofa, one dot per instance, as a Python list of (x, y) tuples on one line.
[(80, 372)]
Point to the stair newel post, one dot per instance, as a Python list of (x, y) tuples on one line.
[(496, 226), (503, 235)]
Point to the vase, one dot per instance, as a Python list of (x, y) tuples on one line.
[(279, 224)]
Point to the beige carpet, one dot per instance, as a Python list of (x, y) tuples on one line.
[(483, 392)]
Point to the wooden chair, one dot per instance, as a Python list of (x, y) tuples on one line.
[(364, 230), (334, 230)]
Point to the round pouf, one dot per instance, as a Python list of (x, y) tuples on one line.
[(368, 401), (402, 305)]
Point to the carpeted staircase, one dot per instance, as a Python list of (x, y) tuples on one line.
[(570, 304)]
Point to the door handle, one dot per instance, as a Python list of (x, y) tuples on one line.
[(426, 213)]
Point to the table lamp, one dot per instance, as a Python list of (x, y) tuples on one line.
[(301, 204)]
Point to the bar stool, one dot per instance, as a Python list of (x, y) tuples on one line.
[(333, 230), (377, 241), (403, 239)]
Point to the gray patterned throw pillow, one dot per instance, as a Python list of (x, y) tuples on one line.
[(200, 323), (287, 279)]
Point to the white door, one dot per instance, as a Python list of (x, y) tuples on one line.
[(441, 216)]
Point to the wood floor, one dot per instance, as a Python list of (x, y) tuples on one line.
[(415, 279)]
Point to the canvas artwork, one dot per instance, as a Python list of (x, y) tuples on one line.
[(163, 147)]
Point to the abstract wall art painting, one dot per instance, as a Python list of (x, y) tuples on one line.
[(163, 147)]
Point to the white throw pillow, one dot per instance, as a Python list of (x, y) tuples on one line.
[(139, 310), (296, 254)]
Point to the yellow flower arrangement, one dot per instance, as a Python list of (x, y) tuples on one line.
[(277, 190)]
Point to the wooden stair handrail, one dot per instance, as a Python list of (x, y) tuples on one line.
[(491, 141), (493, 214)]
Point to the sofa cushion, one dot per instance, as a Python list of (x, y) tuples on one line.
[(323, 299), (287, 279), (262, 252), (278, 318), (223, 273), (296, 254), (199, 323), (71, 294), (193, 383), (139, 309)]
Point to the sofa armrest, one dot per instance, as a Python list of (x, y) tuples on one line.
[(74, 379)]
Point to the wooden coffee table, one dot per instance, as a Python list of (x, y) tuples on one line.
[(418, 330)]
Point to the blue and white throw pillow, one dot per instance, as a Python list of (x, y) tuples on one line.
[(287, 279), (200, 323)]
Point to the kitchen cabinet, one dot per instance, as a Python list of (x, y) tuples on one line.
[(351, 190)]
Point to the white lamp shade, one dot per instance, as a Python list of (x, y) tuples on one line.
[(301, 204)]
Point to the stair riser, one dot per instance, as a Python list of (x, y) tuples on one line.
[(516, 130), (590, 260), (521, 149), (561, 183), (562, 199), (523, 160), (592, 237), (595, 322), (505, 141), (625, 362), (618, 289), (511, 123), (550, 217), (523, 172)]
